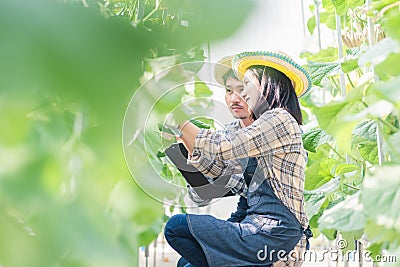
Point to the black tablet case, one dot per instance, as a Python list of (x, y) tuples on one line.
[(178, 155)]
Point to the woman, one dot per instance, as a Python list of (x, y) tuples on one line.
[(275, 220)]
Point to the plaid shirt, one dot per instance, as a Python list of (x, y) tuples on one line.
[(275, 140), (236, 183)]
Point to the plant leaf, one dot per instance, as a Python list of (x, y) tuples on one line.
[(350, 65), (321, 70), (313, 205), (201, 89), (365, 131), (381, 197), (346, 168), (311, 24), (369, 152), (319, 173), (345, 216), (314, 138)]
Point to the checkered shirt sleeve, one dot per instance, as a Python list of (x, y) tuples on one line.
[(236, 183)]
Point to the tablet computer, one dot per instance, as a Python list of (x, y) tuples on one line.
[(178, 155)]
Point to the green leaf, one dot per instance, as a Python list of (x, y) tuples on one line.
[(392, 146), (340, 6), (355, 3), (345, 216), (338, 119), (365, 131), (321, 70), (375, 249), (331, 21), (327, 188), (381, 197), (328, 5), (311, 139), (393, 124), (388, 90), (166, 172), (314, 138), (170, 100), (350, 65), (158, 64), (325, 55), (381, 234), (313, 205), (369, 152), (201, 89), (311, 24), (319, 173), (391, 24), (330, 233), (346, 168), (316, 198), (388, 68), (350, 238), (378, 5)]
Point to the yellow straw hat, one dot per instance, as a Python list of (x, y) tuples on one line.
[(297, 74), (221, 68)]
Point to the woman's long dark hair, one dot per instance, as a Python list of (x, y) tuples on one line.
[(278, 90)]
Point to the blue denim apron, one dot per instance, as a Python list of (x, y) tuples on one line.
[(267, 233)]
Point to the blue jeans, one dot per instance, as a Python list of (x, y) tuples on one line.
[(178, 236)]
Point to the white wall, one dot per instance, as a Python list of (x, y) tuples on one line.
[(273, 25)]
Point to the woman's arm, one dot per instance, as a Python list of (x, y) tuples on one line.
[(212, 152)]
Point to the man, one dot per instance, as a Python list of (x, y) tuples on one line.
[(239, 109), (235, 103), (225, 76)]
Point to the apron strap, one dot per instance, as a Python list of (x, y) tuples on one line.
[(308, 233)]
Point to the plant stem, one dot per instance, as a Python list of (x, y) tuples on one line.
[(336, 152), (348, 78), (353, 187), (152, 12), (386, 8), (334, 82), (388, 125)]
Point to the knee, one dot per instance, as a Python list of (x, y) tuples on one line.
[(182, 262), (173, 223)]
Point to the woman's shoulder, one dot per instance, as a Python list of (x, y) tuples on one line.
[(282, 121), (279, 114)]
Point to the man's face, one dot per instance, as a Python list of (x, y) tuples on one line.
[(233, 99)]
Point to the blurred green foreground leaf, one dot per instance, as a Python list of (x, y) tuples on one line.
[(67, 73)]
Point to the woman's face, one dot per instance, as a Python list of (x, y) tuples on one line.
[(252, 88)]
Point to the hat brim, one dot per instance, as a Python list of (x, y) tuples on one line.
[(221, 68), (297, 74)]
